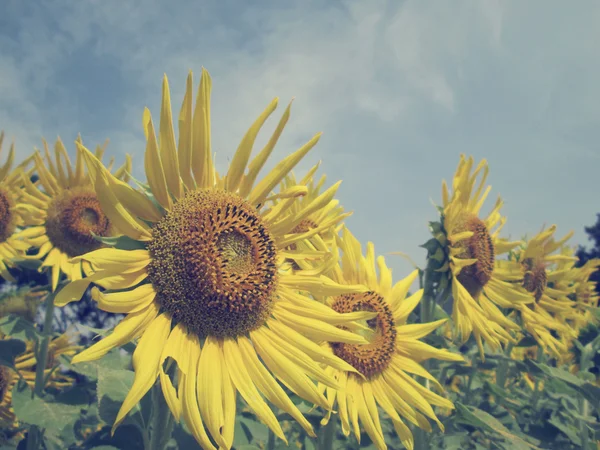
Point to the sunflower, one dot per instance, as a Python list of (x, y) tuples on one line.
[(13, 213), (65, 212), (467, 246), (25, 364), (583, 290), (320, 225), (383, 368), (201, 280), (550, 289)]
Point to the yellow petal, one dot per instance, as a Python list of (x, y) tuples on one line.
[(154, 166), (266, 185), (168, 148), (259, 161), (184, 148), (146, 359), (202, 165), (125, 302), (210, 395), (242, 154), (245, 385), (130, 327)]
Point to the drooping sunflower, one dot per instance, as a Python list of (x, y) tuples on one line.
[(65, 212), (386, 365), (550, 289), (467, 247), (584, 294), (200, 280), (26, 367), (13, 212)]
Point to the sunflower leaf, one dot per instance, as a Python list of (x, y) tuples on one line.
[(37, 411), (9, 350)]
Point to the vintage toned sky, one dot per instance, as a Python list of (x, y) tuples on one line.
[(399, 88)]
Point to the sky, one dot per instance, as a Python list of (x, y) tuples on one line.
[(399, 88)]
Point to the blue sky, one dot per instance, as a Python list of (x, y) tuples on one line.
[(399, 89)]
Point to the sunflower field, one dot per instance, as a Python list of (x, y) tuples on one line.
[(197, 309)]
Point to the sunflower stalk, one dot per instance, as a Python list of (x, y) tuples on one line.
[(503, 369), (162, 422), (427, 308), (34, 436), (327, 434)]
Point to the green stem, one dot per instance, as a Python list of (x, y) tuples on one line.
[(42, 354), (327, 434), (162, 422), (34, 436), (583, 430), (536, 387), (271, 440)]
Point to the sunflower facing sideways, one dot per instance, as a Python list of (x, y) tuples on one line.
[(201, 284), (544, 317), (470, 245), (13, 213), (65, 212), (386, 365)]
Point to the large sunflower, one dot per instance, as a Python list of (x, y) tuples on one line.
[(544, 318), (201, 282), (13, 213), (386, 365), (471, 243), (25, 364), (65, 212)]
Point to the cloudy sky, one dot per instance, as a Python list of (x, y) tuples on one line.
[(399, 88)]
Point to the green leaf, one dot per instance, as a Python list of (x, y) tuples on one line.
[(121, 242), (113, 386), (104, 447), (28, 264), (37, 411), (17, 327), (9, 350), (568, 430), (588, 390), (112, 360), (485, 421)]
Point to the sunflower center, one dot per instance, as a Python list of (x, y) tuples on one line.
[(213, 264), (479, 247), (73, 218), (5, 378), (7, 224), (535, 278), (373, 358)]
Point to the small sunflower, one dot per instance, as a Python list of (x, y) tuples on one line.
[(65, 212), (26, 367), (13, 213), (584, 293), (384, 367), (550, 289), (467, 248), (319, 226), (201, 281)]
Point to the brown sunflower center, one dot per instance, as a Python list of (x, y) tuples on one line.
[(5, 379), (213, 264), (7, 224), (373, 358), (479, 247), (73, 217), (535, 278)]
